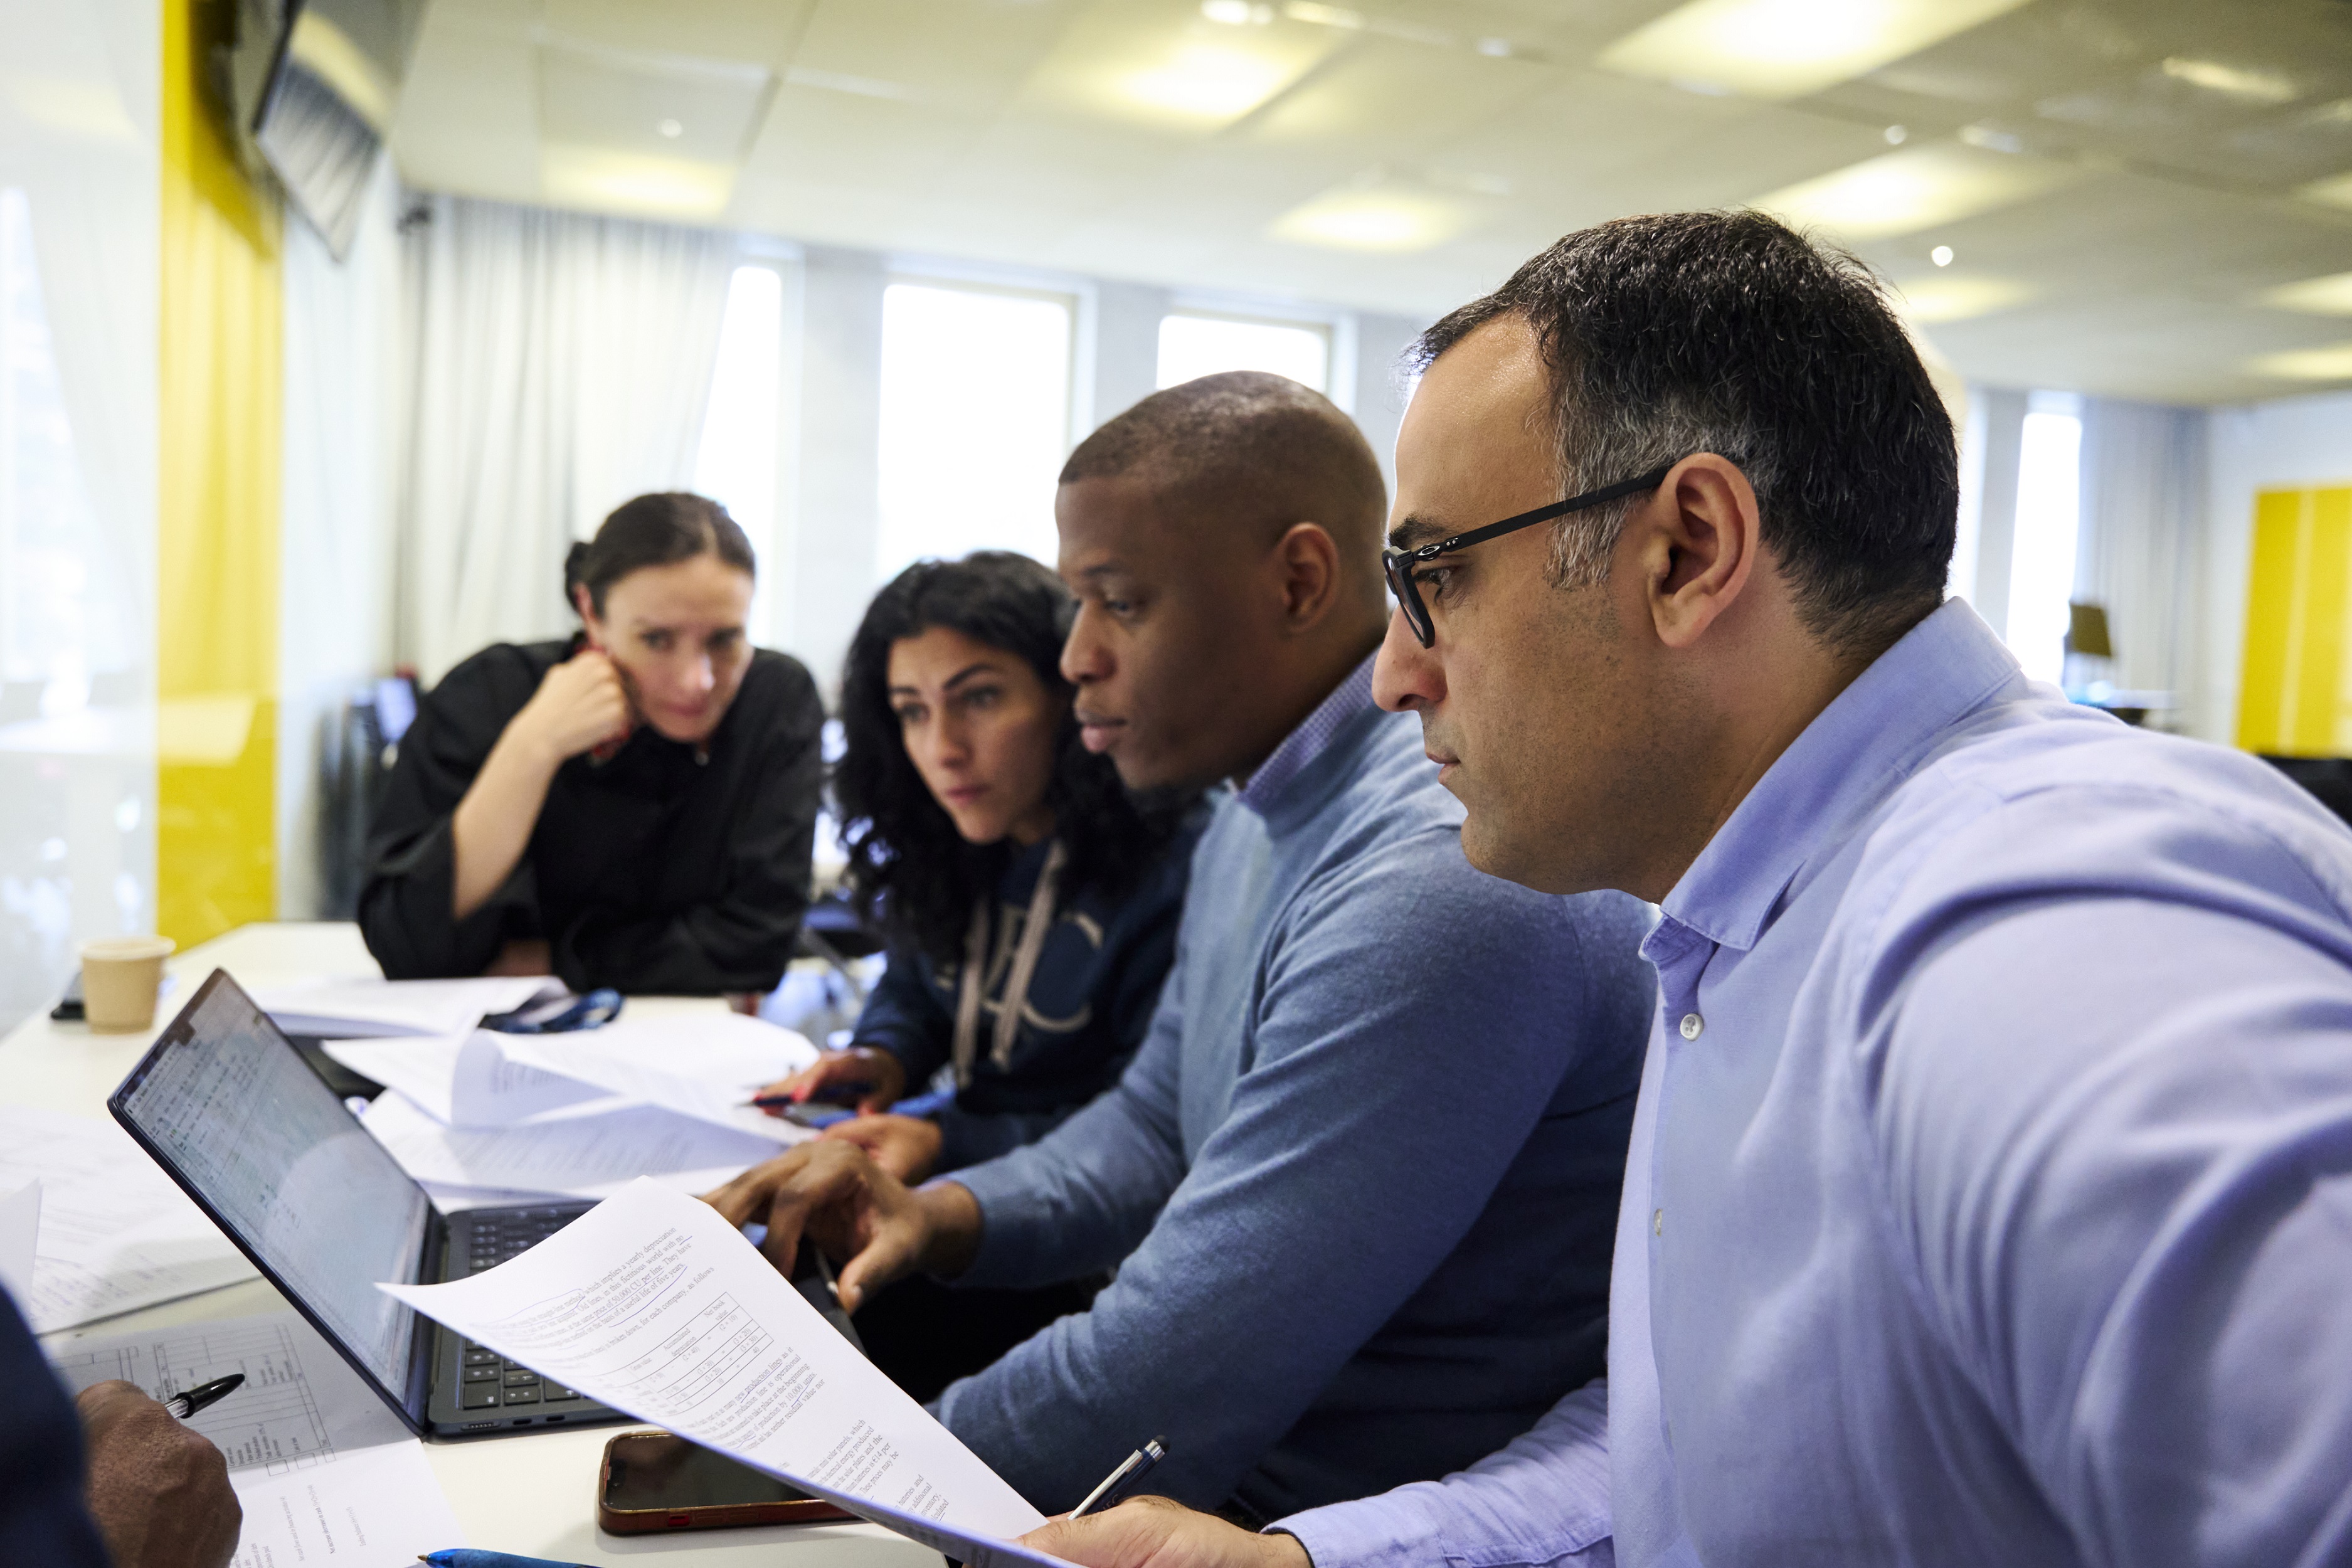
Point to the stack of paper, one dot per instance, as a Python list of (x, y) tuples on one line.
[(114, 1233), (484, 1117), (350, 1008), (654, 1304), (325, 1472)]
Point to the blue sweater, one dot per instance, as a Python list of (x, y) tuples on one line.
[(1366, 1163)]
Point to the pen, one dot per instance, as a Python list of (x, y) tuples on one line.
[(469, 1557), (186, 1404), (1115, 1485)]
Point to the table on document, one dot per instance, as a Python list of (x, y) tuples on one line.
[(532, 1494)]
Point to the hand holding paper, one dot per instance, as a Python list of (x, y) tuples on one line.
[(653, 1303)]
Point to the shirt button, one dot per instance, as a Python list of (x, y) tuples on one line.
[(1691, 1024), (1658, 1222)]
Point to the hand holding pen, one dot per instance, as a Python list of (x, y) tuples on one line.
[(187, 1403)]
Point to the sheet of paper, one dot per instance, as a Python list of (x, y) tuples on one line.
[(325, 1472), (657, 1306), (20, 1234), (349, 1009), (701, 1065), (469, 1080), (586, 1156), (116, 1234)]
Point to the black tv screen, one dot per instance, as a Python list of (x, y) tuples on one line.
[(313, 84)]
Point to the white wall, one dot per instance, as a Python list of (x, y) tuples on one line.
[(2295, 441)]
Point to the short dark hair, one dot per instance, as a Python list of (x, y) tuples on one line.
[(909, 869), (1730, 333), (658, 530), (1258, 449)]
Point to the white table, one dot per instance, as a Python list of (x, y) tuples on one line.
[(533, 1493)]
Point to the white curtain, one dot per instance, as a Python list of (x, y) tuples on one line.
[(558, 364), (2143, 493)]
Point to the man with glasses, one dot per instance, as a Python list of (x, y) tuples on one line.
[(1990, 1200), (1360, 1182)]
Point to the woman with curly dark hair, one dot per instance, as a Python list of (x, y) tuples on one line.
[(1031, 906)]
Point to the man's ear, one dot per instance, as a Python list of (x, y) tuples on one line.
[(1306, 564), (1699, 539)]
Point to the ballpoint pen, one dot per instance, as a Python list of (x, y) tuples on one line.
[(186, 1404), (472, 1557), (1130, 1470)]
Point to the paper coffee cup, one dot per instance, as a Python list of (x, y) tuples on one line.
[(119, 976)]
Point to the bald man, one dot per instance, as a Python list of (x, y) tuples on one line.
[(1361, 1181)]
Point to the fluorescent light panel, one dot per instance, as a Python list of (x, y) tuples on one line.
[(2331, 364), (1788, 49), (1935, 299), (2317, 296), (632, 183), (1901, 193), (2334, 191), (1388, 217)]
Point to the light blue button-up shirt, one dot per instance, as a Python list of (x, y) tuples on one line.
[(1990, 1197)]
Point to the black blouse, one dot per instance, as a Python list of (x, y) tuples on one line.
[(658, 871)]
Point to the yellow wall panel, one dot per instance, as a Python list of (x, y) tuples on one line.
[(2265, 678), (216, 529)]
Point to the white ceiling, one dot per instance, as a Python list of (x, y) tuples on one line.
[(2162, 203)]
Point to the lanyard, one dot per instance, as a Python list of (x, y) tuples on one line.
[(1034, 927)]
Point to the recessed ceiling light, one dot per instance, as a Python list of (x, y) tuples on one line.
[(1936, 300), (1902, 193), (2253, 86), (1896, 135), (2330, 363), (670, 127), (2334, 191), (1323, 16), (1941, 255), (1207, 81), (1382, 218), (1788, 49), (2329, 296), (665, 187)]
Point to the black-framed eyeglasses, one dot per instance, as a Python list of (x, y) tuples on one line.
[(1399, 563)]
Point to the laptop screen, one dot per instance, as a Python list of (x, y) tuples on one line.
[(284, 1166)]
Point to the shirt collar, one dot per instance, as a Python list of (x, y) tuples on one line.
[(1869, 738), (1309, 741)]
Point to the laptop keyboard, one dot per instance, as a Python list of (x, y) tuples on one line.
[(484, 1239)]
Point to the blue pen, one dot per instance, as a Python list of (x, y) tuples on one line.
[(467, 1557)]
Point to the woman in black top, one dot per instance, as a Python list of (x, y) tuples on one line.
[(630, 808), (1031, 906)]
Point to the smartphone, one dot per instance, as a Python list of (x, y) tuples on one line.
[(658, 1481)]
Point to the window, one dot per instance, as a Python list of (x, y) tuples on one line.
[(736, 461), (2049, 509), (1192, 346), (48, 610), (975, 421)]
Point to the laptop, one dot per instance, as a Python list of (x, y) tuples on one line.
[(228, 1106)]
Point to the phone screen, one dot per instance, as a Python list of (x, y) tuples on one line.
[(658, 1471)]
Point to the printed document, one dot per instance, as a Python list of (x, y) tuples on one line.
[(20, 1236), (654, 1304), (325, 1472), (116, 1233), (469, 1080), (706, 1067), (347, 1009), (584, 1156)]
